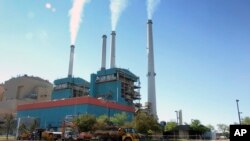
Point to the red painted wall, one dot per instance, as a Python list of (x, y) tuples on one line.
[(76, 101)]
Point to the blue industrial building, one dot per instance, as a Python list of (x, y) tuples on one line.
[(109, 91)]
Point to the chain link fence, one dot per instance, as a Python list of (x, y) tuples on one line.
[(178, 138)]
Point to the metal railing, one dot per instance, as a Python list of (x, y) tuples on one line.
[(178, 138)]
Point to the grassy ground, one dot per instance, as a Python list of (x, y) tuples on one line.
[(3, 138)]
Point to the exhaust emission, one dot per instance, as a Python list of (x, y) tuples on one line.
[(76, 15), (116, 8), (151, 6)]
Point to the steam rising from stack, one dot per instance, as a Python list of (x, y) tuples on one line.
[(75, 14), (75, 18), (116, 7), (151, 5)]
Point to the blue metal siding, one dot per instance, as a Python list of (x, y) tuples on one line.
[(115, 70), (93, 85), (53, 117), (60, 94), (77, 80), (106, 88)]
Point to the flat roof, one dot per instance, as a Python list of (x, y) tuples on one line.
[(115, 70), (75, 80)]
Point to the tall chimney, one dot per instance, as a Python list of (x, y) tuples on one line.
[(112, 57), (104, 38), (180, 117), (151, 72), (71, 60)]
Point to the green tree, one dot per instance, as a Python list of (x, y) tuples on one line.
[(119, 119), (170, 126), (224, 129), (128, 125), (8, 124), (246, 121), (1, 128), (210, 127), (22, 128), (143, 122), (85, 122), (195, 124), (197, 127), (34, 125), (101, 122)]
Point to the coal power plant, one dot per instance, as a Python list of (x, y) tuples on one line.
[(108, 92)]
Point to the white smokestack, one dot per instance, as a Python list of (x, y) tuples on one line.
[(116, 7), (151, 5), (71, 60), (112, 55), (180, 117), (104, 38), (75, 18), (151, 72)]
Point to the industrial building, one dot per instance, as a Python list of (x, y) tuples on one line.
[(21, 90), (1, 92), (107, 96), (110, 91)]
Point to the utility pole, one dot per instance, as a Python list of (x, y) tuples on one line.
[(237, 101)]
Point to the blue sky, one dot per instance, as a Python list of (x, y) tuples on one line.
[(202, 53)]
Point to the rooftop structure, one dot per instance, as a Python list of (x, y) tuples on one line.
[(115, 84), (70, 87)]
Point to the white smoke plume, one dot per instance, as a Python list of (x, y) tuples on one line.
[(75, 14), (116, 7), (151, 5)]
